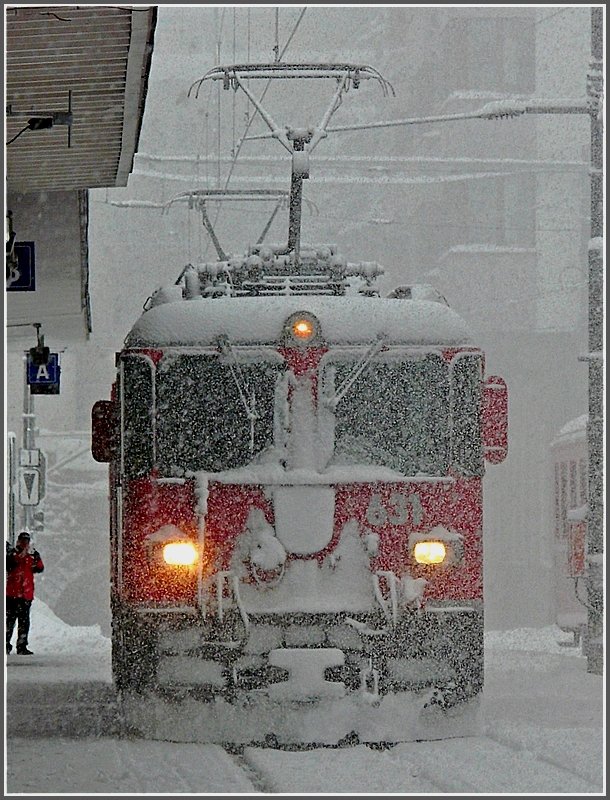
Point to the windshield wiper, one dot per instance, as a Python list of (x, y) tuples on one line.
[(332, 400), (242, 385)]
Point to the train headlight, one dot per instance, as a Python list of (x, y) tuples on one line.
[(180, 554), (430, 552), (301, 328), (438, 547), (170, 546)]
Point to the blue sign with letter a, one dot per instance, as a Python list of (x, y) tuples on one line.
[(44, 378), (21, 274)]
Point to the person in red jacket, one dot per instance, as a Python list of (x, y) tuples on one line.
[(22, 563)]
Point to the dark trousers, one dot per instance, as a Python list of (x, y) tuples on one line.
[(18, 610)]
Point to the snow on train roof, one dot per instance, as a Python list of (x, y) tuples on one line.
[(260, 320)]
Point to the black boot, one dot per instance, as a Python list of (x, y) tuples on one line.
[(23, 651), (9, 648)]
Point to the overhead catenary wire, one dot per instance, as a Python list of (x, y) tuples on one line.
[(234, 93), (388, 123), (276, 47), (361, 180), (262, 97), (249, 118), (429, 161), (248, 35), (218, 52)]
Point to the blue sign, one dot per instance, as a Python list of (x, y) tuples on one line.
[(21, 273), (44, 378)]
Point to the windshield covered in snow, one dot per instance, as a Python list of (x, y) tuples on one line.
[(416, 416), (209, 414), (212, 415)]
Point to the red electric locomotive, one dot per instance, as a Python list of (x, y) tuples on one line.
[(296, 472)]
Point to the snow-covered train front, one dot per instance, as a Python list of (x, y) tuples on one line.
[(296, 470)]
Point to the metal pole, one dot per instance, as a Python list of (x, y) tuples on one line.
[(294, 223), (595, 530), (11, 479), (28, 434)]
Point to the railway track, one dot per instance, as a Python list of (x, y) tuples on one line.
[(470, 765), (555, 749), (521, 760)]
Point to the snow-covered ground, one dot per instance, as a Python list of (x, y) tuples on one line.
[(543, 732)]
